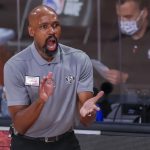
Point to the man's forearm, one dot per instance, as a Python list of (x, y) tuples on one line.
[(26, 117)]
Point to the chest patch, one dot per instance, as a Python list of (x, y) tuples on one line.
[(32, 81)]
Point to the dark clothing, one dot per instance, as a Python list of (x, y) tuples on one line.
[(66, 142), (130, 56)]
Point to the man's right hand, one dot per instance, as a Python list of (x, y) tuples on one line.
[(116, 77), (47, 86), (20, 113)]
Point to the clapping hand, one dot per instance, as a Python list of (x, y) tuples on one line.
[(47, 87)]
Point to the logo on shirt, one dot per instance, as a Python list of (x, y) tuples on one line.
[(69, 79)]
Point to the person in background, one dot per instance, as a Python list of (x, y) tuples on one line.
[(6, 35), (4, 107), (48, 86), (129, 66), (134, 26)]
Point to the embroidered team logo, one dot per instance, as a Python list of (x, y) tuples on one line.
[(69, 79)]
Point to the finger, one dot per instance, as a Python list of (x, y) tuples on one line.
[(95, 108), (98, 96), (49, 75), (93, 114), (83, 113)]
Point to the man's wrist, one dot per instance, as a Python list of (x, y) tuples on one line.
[(40, 101)]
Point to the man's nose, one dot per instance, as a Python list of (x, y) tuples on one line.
[(51, 30)]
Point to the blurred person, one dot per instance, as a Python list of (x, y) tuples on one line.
[(48, 86), (4, 107), (129, 58), (6, 35), (134, 25)]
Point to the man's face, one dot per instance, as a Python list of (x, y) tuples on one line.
[(132, 19), (46, 30), (128, 11)]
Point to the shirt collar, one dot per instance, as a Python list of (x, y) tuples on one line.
[(40, 60)]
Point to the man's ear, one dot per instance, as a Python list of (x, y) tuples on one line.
[(31, 32)]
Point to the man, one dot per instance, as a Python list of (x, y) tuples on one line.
[(46, 84), (130, 55), (133, 22)]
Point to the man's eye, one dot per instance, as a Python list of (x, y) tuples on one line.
[(55, 25), (43, 27)]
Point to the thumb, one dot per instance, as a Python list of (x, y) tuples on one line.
[(98, 96)]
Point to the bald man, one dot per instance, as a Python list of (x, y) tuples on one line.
[(51, 86)]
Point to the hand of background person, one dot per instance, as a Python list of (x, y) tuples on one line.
[(116, 77), (47, 86), (89, 107)]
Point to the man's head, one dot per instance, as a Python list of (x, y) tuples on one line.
[(45, 28), (133, 17)]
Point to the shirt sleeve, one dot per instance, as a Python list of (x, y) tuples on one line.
[(86, 75), (16, 93)]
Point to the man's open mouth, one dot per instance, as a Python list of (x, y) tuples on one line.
[(51, 43)]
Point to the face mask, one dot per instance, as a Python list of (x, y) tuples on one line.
[(130, 27)]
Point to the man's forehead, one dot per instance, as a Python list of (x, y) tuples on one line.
[(42, 11), (40, 15), (128, 8), (47, 19)]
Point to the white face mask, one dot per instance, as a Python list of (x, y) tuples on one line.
[(130, 27)]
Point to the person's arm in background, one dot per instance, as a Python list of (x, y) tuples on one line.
[(87, 106), (111, 59), (116, 77)]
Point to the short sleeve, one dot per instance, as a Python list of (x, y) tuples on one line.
[(16, 93), (86, 75)]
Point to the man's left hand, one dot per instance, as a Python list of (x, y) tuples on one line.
[(89, 107)]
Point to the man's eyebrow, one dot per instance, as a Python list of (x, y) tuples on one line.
[(56, 22), (126, 16)]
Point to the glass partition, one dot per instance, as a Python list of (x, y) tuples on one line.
[(125, 56)]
